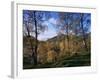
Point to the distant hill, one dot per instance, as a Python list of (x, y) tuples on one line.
[(60, 37)]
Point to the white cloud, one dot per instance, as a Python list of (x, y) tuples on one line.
[(49, 33), (46, 35), (45, 23), (53, 21)]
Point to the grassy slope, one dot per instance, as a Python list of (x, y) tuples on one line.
[(73, 61)]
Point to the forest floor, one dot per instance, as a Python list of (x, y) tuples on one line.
[(72, 61)]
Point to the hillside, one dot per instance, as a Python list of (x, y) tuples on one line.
[(55, 52), (73, 61)]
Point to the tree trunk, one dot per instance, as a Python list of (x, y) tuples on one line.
[(68, 41), (36, 40), (27, 28), (83, 33), (67, 30)]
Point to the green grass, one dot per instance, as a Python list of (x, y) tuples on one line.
[(72, 61)]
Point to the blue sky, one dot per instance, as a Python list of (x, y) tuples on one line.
[(50, 32), (52, 23)]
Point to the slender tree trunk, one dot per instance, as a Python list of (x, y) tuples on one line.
[(64, 44), (68, 40), (27, 28), (83, 33), (67, 30), (76, 37), (30, 40), (36, 40), (29, 36)]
